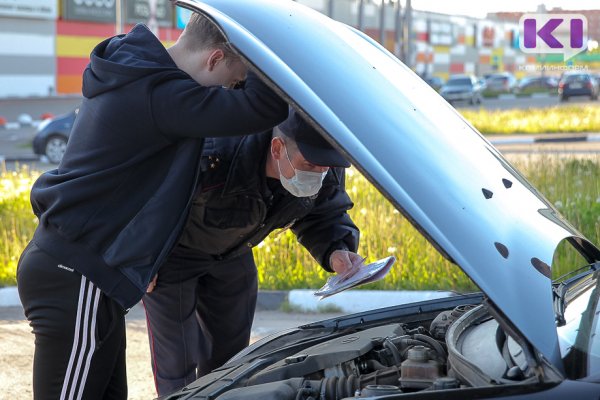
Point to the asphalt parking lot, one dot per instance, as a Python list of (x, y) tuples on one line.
[(16, 349), (16, 343)]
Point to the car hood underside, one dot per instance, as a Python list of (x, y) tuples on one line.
[(446, 178)]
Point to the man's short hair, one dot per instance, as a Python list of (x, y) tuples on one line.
[(201, 33), (289, 141)]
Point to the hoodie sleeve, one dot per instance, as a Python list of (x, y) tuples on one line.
[(183, 108)]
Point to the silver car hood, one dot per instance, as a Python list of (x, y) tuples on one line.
[(446, 178)]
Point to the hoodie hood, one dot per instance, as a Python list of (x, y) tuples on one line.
[(122, 59)]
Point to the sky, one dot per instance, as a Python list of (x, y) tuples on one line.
[(481, 8)]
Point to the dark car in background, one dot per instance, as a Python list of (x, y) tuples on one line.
[(462, 88), (533, 84), (528, 335), (52, 136), (435, 82), (503, 82), (578, 84)]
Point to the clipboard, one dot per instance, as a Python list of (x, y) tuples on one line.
[(356, 276)]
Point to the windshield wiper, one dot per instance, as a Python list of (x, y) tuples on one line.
[(559, 290), (559, 303), (593, 267)]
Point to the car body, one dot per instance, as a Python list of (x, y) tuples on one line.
[(52, 135), (537, 84), (522, 337), (435, 82), (504, 82), (462, 88), (578, 84)]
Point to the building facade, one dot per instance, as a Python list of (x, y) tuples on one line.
[(45, 44)]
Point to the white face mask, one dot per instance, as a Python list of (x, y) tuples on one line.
[(303, 183)]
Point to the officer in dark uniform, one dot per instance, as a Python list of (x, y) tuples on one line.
[(201, 309)]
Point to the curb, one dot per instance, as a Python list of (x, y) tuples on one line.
[(266, 300), (515, 138), (18, 125), (304, 300), (352, 301), (544, 138), (30, 158), (507, 96), (9, 297)]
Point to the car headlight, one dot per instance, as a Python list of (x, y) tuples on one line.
[(43, 124)]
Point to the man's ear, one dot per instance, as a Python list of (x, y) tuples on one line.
[(214, 57), (276, 148)]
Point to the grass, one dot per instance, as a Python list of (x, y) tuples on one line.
[(571, 185), (582, 118), (493, 94), (533, 90), (17, 221)]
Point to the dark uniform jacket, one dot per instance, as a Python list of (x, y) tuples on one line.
[(235, 209), (116, 205)]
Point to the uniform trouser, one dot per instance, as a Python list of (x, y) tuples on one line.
[(79, 331), (199, 315)]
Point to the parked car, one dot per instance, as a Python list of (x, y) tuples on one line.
[(503, 82), (52, 135), (462, 88), (435, 82), (578, 84), (523, 337), (537, 84)]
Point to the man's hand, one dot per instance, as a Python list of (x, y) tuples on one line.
[(342, 260), (152, 284)]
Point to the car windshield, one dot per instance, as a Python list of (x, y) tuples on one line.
[(579, 337), (576, 78), (459, 82)]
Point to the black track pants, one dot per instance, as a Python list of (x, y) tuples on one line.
[(79, 332)]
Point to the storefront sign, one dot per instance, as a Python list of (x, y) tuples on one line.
[(141, 11), (90, 10), (45, 9)]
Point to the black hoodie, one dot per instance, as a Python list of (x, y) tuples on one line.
[(116, 204)]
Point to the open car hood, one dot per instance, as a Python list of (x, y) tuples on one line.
[(448, 180)]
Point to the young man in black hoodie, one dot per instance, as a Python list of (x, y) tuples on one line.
[(115, 206)]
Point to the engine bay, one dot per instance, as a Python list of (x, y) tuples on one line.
[(458, 348)]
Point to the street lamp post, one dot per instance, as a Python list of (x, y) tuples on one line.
[(382, 23), (398, 31), (361, 7), (118, 17)]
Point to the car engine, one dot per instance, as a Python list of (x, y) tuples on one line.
[(462, 347)]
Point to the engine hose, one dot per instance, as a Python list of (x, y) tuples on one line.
[(406, 341), (336, 388), (306, 392), (331, 387), (438, 347), (374, 365), (387, 344)]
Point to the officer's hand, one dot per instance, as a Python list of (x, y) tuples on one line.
[(341, 261), (152, 284)]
